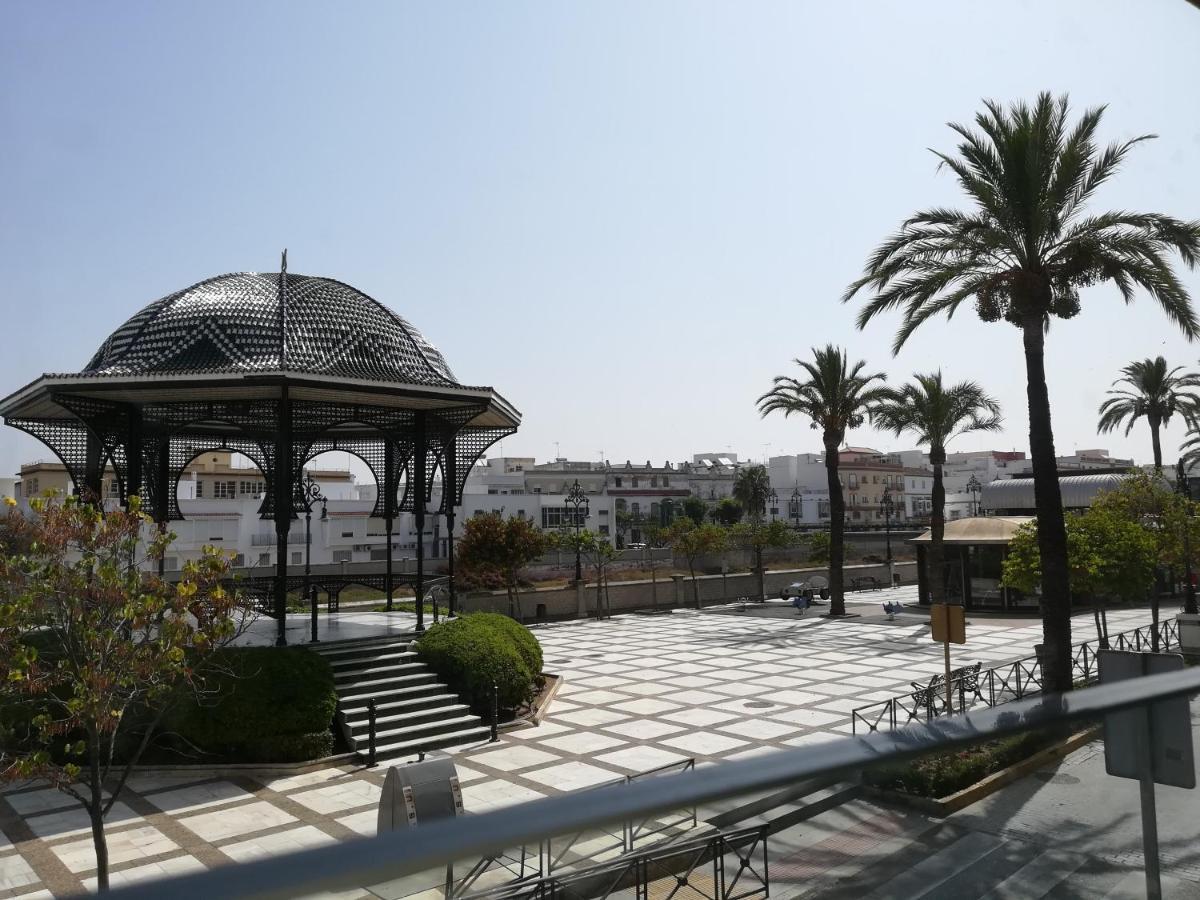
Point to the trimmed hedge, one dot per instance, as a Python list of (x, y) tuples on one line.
[(271, 705), (473, 652), (946, 772)]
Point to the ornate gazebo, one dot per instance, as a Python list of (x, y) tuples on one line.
[(280, 368)]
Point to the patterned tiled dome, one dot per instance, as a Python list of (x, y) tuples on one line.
[(233, 323)]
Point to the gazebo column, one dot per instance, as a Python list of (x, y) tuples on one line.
[(92, 489), (283, 513), (162, 489), (449, 495), (419, 452), (133, 456), (389, 514)]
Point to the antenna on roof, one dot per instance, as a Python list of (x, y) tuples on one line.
[(283, 311)]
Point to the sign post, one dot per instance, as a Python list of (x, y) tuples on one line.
[(950, 627), (1152, 743)]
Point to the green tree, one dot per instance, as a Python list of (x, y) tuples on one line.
[(1148, 389), (695, 509), (494, 545), (818, 546), (936, 413), (95, 648), (726, 512), (597, 552), (756, 536), (834, 396), (691, 541), (751, 487), (1022, 255)]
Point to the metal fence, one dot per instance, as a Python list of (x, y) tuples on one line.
[(1003, 684), (362, 862)]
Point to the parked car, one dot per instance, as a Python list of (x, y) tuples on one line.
[(810, 590)]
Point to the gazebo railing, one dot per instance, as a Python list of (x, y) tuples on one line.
[(1002, 684)]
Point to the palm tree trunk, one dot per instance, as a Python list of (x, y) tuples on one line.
[(937, 530), (1052, 529), (1157, 444), (837, 512)]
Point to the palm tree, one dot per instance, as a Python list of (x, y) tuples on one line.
[(1150, 391), (937, 413), (835, 396), (751, 486), (1021, 255)]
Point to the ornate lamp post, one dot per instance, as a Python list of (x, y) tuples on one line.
[(974, 487), (577, 498), (887, 506), (772, 501), (308, 495), (794, 509), (1189, 589)]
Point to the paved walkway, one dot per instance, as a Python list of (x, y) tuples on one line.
[(639, 692)]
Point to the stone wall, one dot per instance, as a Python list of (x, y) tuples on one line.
[(625, 596)]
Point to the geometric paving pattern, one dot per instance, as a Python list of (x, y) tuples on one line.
[(639, 692)]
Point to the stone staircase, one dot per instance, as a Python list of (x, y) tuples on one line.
[(414, 712)]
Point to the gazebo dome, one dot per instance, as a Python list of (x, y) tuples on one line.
[(248, 322)]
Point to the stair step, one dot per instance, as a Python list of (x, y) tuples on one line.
[(370, 669), (436, 727), (412, 747), (341, 648), (362, 725), (398, 697), (389, 654), (374, 686)]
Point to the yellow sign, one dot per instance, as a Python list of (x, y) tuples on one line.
[(949, 623)]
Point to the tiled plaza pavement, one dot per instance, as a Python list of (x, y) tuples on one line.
[(639, 692)]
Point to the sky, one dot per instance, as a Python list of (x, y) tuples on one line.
[(626, 217)]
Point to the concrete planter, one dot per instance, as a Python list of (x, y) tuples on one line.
[(1189, 633), (944, 806)]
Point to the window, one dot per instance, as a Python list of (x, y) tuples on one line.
[(604, 529), (171, 563), (621, 504), (604, 512), (853, 481), (114, 488), (224, 490), (251, 487), (199, 489), (239, 560), (635, 481), (349, 534), (31, 487), (635, 508), (340, 556), (665, 482), (653, 481), (654, 511), (857, 514), (618, 479), (264, 559), (297, 558), (493, 491)]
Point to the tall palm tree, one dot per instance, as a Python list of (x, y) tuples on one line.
[(834, 396), (1151, 391), (751, 486), (937, 413), (1022, 254)]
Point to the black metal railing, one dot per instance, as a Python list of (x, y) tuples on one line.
[(359, 862), (1002, 684)]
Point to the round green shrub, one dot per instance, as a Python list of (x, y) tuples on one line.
[(474, 652), (267, 704)]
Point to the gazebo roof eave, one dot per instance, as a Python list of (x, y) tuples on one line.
[(197, 386)]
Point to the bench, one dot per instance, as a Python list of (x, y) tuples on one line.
[(863, 582), (967, 679)]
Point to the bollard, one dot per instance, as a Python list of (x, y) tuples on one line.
[(371, 732), (495, 713), (313, 601), (434, 598)]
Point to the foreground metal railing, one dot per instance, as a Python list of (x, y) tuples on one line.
[(1003, 684), (367, 861)]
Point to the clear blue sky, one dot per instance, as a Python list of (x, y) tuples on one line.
[(627, 217)]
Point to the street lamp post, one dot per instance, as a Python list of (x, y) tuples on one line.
[(974, 487), (577, 498), (797, 500), (1189, 589), (886, 506), (309, 495), (772, 500)]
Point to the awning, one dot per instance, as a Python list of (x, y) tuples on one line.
[(978, 530)]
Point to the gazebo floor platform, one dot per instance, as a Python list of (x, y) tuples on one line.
[(338, 626)]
